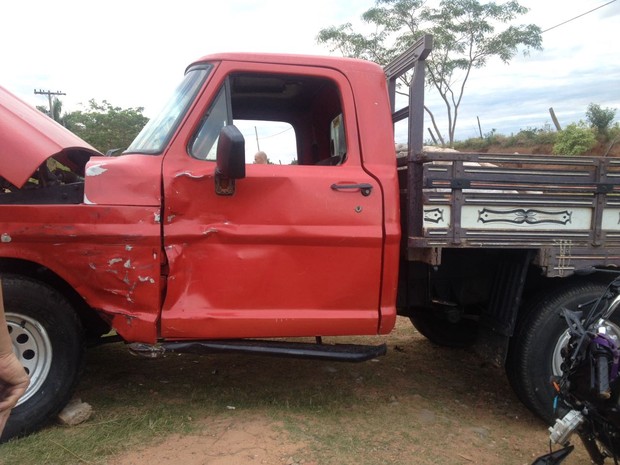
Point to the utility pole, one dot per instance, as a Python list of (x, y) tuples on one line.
[(257, 142), (555, 119), (49, 94)]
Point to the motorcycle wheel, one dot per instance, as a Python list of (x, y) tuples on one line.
[(534, 356)]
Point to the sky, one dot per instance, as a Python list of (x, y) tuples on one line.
[(132, 53)]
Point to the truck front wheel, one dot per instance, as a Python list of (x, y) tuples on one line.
[(47, 339), (534, 355)]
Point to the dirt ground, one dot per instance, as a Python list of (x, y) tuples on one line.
[(224, 442), (421, 404)]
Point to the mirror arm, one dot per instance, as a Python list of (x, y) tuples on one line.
[(224, 185)]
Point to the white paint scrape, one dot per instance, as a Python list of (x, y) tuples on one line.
[(96, 170)]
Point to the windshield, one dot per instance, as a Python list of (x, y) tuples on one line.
[(155, 135)]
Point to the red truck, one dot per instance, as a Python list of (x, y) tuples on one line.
[(181, 245)]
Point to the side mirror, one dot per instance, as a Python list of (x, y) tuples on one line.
[(230, 160)]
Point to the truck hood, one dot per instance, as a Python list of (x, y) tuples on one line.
[(29, 137)]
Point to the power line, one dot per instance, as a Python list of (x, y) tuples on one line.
[(277, 133), (49, 94), (246, 134), (576, 17)]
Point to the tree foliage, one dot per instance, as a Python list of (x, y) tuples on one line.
[(106, 127), (56, 111), (600, 118), (464, 38), (575, 139)]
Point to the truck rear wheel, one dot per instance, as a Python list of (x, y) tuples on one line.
[(534, 354), (47, 338)]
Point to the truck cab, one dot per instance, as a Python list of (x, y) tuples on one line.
[(304, 247), (183, 239)]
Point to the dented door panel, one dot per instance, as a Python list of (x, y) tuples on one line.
[(286, 255)]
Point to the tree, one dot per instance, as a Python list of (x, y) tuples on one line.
[(600, 118), (56, 111), (576, 139), (464, 38), (106, 127)]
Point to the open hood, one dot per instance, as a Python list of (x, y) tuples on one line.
[(29, 137)]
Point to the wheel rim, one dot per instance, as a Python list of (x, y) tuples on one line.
[(33, 348), (611, 330)]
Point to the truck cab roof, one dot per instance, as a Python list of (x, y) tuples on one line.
[(343, 64)]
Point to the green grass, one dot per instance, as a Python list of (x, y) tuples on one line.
[(418, 401), (92, 442), (136, 401)]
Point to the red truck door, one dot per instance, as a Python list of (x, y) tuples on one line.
[(297, 249)]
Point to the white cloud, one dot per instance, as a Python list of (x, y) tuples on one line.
[(133, 53), (577, 66)]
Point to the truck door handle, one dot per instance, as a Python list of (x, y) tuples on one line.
[(364, 188)]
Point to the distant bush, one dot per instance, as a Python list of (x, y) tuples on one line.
[(474, 144), (546, 137), (532, 136), (528, 137), (477, 144), (576, 139), (600, 118)]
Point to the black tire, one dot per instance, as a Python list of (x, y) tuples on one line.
[(533, 357), (48, 339), (441, 331)]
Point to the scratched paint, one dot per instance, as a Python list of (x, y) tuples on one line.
[(190, 175), (117, 274), (96, 170)]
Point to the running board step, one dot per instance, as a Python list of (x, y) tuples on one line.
[(333, 352)]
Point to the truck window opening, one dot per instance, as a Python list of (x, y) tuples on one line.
[(155, 136), (306, 107)]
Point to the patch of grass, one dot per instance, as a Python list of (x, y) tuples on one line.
[(92, 442), (129, 410), (419, 404), (136, 401)]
